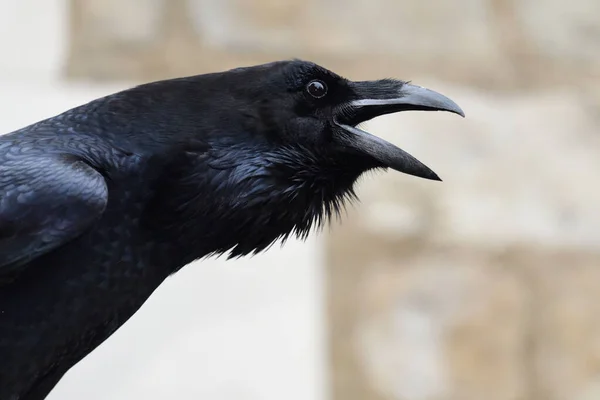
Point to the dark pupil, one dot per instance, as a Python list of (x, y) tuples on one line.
[(317, 89)]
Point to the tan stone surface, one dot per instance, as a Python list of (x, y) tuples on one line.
[(575, 28), (338, 26), (567, 357), (107, 27), (425, 328), (498, 44), (412, 320)]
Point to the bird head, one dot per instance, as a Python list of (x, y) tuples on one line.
[(301, 105)]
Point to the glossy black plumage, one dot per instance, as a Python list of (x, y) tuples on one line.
[(100, 204)]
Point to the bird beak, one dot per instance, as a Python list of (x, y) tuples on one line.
[(376, 98)]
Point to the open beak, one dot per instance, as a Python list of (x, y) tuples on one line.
[(376, 98)]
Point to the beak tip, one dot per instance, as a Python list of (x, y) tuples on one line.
[(423, 172), (454, 108), (427, 97), (433, 176)]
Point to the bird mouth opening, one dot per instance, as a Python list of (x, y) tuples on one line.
[(406, 98)]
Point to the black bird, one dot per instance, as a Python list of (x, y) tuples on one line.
[(100, 204)]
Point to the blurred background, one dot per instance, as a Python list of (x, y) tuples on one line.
[(486, 286)]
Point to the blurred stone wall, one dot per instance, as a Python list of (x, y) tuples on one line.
[(486, 286), (504, 44)]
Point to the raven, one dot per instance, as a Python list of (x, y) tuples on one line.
[(100, 204)]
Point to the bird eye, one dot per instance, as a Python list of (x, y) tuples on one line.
[(316, 89)]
